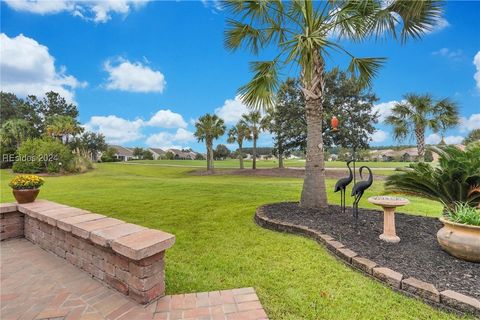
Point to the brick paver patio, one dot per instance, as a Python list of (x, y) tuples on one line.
[(36, 284)]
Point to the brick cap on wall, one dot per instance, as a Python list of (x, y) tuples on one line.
[(133, 242)]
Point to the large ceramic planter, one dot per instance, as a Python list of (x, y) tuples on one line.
[(25, 195), (460, 240)]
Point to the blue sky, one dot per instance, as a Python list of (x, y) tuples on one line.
[(142, 72)]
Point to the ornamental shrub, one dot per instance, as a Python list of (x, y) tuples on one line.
[(455, 179), (46, 155)]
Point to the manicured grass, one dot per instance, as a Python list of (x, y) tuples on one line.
[(219, 246), (234, 164)]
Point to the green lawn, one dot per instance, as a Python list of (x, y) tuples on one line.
[(219, 246), (234, 164)]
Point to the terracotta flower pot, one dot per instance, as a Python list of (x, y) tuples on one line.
[(460, 240), (25, 195)]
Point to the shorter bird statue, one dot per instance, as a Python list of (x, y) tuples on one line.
[(360, 187), (342, 184)]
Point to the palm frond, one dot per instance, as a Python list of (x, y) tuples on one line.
[(240, 34), (365, 69), (259, 92), (418, 17)]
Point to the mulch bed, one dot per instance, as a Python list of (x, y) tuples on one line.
[(276, 172), (418, 254)]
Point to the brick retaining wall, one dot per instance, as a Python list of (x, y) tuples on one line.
[(11, 223), (127, 257)]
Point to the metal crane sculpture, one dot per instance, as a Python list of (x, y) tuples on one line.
[(342, 184), (359, 188)]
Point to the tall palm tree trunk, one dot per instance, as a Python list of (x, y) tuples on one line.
[(209, 152), (420, 135), (240, 150), (254, 151), (314, 194), (211, 157)]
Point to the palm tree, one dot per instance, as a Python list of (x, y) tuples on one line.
[(255, 124), (238, 134), (417, 113), (304, 32), (209, 127), (60, 126), (14, 132)]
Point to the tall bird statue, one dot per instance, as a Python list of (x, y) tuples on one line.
[(342, 184), (360, 187)]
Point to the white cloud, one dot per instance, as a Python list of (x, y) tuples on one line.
[(453, 139), (476, 62), (470, 123), (167, 119), (116, 130), (28, 68), (166, 140), (378, 136), (435, 138), (384, 109), (455, 55), (441, 24), (183, 135), (93, 10), (232, 110), (134, 77)]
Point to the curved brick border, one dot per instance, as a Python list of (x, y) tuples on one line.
[(447, 299)]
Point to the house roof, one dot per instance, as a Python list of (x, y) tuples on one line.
[(122, 151), (157, 150)]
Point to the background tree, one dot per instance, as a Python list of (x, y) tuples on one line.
[(138, 152), (287, 120), (254, 122), (147, 155), (89, 145), (12, 107), (303, 33), (419, 113), (109, 155), (221, 152), (239, 133), (169, 155), (472, 137), (62, 127), (13, 132), (208, 128)]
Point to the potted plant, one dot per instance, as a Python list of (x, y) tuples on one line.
[(455, 183), (460, 235), (26, 187)]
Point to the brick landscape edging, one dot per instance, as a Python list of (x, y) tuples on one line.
[(126, 257), (447, 299)]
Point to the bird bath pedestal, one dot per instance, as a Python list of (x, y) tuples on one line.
[(388, 204)]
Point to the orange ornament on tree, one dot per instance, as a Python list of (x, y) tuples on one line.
[(334, 122)]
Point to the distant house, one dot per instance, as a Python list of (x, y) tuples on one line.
[(183, 155), (157, 153), (122, 153)]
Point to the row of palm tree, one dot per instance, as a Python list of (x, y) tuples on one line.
[(210, 127)]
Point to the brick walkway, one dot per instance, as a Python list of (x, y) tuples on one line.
[(36, 284)]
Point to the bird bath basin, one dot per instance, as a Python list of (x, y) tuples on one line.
[(389, 204)]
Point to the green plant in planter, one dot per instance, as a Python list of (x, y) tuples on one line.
[(463, 213), (26, 181), (455, 179)]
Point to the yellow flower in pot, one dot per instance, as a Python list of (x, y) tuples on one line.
[(25, 187)]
